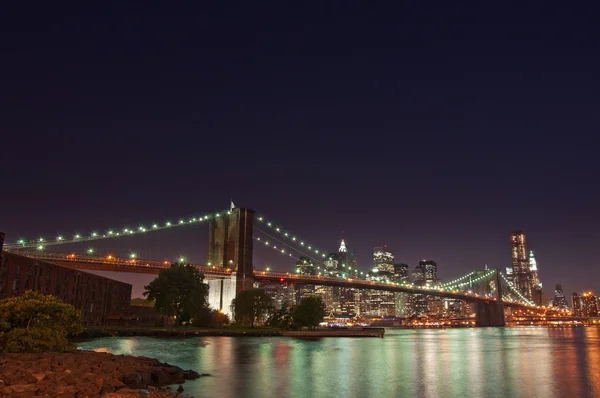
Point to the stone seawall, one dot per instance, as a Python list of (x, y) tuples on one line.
[(178, 332), (85, 374)]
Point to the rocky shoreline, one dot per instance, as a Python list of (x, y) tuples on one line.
[(86, 374)]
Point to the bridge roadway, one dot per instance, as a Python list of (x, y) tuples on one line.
[(110, 263)]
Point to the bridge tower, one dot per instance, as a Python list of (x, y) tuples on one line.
[(230, 246), (491, 313)]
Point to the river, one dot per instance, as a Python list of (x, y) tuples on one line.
[(487, 362)]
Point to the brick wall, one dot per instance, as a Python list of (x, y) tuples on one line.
[(97, 297)]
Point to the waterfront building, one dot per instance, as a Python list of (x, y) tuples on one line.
[(102, 301), (403, 305), (585, 305)]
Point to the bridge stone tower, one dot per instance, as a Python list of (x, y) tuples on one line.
[(491, 313), (230, 246)]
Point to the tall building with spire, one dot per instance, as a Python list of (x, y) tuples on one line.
[(343, 247), (536, 284)]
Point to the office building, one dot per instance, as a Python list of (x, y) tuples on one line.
[(559, 299), (383, 260), (521, 276), (306, 266)]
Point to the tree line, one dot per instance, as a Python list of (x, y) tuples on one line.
[(179, 291)]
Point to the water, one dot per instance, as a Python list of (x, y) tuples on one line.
[(487, 362)]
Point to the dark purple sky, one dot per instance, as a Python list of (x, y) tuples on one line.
[(434, 130)]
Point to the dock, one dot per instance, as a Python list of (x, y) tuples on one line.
[(335, 332)]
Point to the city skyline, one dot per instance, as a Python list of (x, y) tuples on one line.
[(381, 255), (435, 130)]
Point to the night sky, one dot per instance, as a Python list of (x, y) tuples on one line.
[(436, 130)]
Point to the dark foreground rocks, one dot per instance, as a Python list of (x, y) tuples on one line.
[(85, 374)]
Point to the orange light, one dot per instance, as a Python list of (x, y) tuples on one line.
[(109, 257)]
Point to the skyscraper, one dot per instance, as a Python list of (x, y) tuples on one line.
[(342, 262), (559, 300), (400, 272), (305, 265), (520, 264), (429, 270), (383, 259), (536, 284)]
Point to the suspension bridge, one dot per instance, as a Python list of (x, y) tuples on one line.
[(229, 267)]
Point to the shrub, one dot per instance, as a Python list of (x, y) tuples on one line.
[(35, 322)]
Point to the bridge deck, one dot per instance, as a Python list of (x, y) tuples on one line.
[(111, 263)]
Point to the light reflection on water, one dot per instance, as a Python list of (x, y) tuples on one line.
[(488, 362)]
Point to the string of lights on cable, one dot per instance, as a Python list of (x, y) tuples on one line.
[(41, 242)]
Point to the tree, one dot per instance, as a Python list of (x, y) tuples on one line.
[(218, 319), (178, 291), (35, 322), (310, 312), (141, 302), (251, 306), (282, 318)]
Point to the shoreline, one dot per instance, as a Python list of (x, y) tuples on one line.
[(183, 332)]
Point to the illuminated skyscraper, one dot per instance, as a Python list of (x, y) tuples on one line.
[(305, 265), (382, 303), (383, 260), (342, 262), (536, 284), (429, 270), (520, 264), (559, 299), (400, 272)]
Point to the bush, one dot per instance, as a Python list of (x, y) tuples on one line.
[(36, 323)]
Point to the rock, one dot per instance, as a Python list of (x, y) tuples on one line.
[(19, 388), (160, 378), (41, 376), (190, 374), (86, 374), (180, 389), (124, 393), (65, 390), (25, 394), (146, 378), (133, 380)]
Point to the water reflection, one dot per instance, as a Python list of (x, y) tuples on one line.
[(494, 362)]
